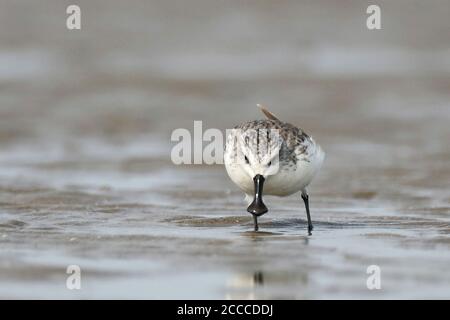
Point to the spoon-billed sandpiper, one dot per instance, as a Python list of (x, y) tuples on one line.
[(273, 156)]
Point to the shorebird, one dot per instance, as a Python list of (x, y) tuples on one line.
[(273, 157)]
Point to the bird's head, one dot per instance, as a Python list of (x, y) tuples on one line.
[(258, 151), (258, 155)]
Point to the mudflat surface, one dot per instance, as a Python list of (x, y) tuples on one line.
[(86, 176)]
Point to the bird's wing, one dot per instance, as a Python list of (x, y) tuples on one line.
[(267, 113)]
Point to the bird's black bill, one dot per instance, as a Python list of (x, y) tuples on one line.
[(257, 207)]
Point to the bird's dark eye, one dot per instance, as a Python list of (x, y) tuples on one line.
[(246, 160), (269, 164)]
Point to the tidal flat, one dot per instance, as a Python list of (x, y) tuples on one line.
[(85, 171)]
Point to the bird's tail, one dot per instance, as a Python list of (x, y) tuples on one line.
[(267, 113)]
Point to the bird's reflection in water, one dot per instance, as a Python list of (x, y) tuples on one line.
[(244, 286), (268, 285), (258, 278)]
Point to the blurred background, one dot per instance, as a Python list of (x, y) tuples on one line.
[(85, 171)]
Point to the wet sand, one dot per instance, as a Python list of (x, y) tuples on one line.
[(85, 170)]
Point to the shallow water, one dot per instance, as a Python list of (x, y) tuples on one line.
[(85, 170)]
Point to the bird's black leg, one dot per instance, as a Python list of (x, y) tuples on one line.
[(255, 220), (305, 198)]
